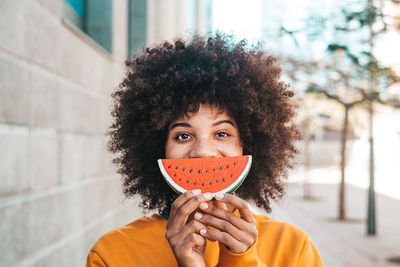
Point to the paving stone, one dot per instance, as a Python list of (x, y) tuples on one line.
[(346, 242)]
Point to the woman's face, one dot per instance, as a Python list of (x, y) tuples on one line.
[(205, 133)]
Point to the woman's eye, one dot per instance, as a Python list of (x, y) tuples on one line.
[(182, 136), (222, 134)]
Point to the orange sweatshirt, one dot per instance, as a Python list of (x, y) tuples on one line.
[(142, 243)]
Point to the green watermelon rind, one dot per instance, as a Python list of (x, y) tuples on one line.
[(178, 189), (230, 189), (241, 178)]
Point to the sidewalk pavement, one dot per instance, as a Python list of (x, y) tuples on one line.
[(344, 243)]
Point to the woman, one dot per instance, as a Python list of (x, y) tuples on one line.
[(203, 98)]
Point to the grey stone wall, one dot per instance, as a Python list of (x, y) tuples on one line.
[(58, 189)]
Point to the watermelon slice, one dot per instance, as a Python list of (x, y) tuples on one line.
[(214, 175)]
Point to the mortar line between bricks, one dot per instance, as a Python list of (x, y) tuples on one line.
[(16, 127), (20, 199), (31, 260), (41, 68)]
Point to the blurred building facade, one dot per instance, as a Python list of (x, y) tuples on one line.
[(59, 62)]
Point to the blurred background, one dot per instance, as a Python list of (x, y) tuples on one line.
[(61, 59)]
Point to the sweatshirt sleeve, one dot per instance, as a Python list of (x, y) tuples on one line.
[(249, 258), (94, 260), (309, 256)]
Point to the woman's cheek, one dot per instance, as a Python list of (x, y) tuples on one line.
[(177, 150), (231, 148)]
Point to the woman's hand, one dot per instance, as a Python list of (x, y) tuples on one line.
[(187, 244), (237, 234)]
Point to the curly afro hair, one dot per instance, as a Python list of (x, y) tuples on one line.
[(170, 80)]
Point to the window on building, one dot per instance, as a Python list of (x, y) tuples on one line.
[(93, 17), (209, 16), (191, 18), (137, 25)]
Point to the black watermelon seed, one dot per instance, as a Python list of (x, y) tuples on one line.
[(175, 174), (234, 163), (227, 166), (176, 167), (231, 174), (180, 179), (223, 180), (190, 171), (169, 166), (206, 170), (210, 183), (199, 171), (202, 184), (183, 169), (195, 183), (187, 181), (220, 168), (213, 170), (216, 181)]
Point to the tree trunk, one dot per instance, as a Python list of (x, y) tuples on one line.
[(342, 191), (371, 223), (307, 154)]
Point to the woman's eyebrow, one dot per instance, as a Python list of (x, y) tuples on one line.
[(180, 124), (224, 121)]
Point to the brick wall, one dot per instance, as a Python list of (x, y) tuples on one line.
[(58, 189)]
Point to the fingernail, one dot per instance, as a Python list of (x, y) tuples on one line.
[(198, 215), (207, 195), (196, 192), (203, 206), (203, 231), (219, 196)]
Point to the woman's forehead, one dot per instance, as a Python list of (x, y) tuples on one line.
[(213, 112)]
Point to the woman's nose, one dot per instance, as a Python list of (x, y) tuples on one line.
[(203, 149)]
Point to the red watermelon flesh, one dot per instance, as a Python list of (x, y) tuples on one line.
[(223, 174)]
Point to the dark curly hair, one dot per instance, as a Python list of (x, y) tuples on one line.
[(169, 80)]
